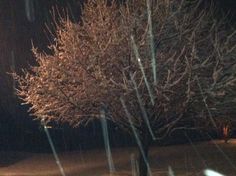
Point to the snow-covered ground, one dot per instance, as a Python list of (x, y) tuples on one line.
[(185, 160)]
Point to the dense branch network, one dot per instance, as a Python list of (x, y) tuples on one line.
[(165, 65)]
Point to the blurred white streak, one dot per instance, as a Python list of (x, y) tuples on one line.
[(29, 10), (106, 141), (170, 171), (135, 49), (209, 172)]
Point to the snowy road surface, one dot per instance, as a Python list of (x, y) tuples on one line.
[(186, 160)]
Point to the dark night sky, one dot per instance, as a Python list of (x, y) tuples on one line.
[(17, 32)]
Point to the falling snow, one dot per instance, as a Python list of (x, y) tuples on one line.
[(203, 158)]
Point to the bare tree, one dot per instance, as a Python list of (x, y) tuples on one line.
[(153, 65)]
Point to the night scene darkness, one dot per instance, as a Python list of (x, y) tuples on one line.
[(118, 87)]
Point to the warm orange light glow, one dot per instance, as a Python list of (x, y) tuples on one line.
[(226, 131)]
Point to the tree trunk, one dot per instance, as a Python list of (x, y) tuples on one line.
[(143, 154)]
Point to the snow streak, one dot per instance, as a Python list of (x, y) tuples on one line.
[(54, 150), (29, 10), (136, 135), (106, 142)]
